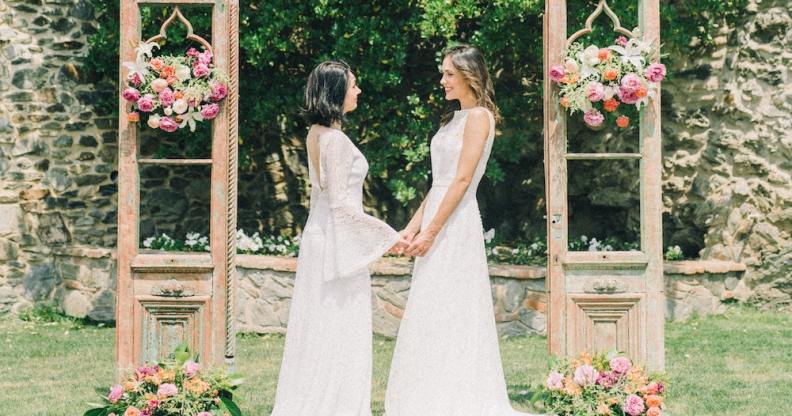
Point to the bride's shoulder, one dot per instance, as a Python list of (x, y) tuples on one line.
[(478, 116)]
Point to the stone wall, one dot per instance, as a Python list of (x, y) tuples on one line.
[(57, 152), (82, 284), (727, 131)]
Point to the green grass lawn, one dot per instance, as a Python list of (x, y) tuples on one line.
[(736, 364)]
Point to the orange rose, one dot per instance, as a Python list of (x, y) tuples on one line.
[(573, 79), (132, 411), (133, 117), (611, 105), (622, 121), (156, 63), (654, 401), (178, 95), (610, 74), (168, 71), (641, 92), (654, 411), (130, 385), (603, 54), (564, 102)]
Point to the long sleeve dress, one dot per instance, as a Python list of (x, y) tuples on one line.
[(327, 359)]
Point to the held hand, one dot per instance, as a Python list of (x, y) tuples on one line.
[(408, 234), (421, 244), (398, 248)]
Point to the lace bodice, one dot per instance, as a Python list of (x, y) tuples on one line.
[(352, 237)]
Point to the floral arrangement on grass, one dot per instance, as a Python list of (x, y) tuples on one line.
[(173, 92), (170, 388), (597, 81), (602, 385)]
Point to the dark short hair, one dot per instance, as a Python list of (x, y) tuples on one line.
[(325, 93)]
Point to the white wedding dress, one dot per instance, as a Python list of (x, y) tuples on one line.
[(327, 358), (447, 360)]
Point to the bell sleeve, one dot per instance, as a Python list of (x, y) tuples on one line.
[(354, 239)]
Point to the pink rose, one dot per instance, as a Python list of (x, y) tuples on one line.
[(167, 124), (204, 414), (205, 57), (627, 96), (607, 380), (146, 103), (193, 53), (633, 405), (585, 374), (555, 381), (595, 92), (209, 111), (620, 365), (631, 82), (169, 389), (593, 118), (655, 72), (621, 41), (166, 97), (115, 393), (135, 79), (191, 368), (557, 72), (219, 91), (200, 70), (131, 94)]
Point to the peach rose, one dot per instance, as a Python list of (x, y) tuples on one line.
[(654, 411), (603, 54), (654, 400), (133, 117), (132, 411), (610, 105), (156, 63), (622, 121), (610, 74), (168, 71)]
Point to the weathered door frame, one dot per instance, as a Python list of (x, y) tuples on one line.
[(188, 293), (603, 298)]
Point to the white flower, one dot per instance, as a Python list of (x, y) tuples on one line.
[(139, 67), (182, 72), (190, 119), (180, 106), (145, 49), (168, 111), (631, 53), (147, 242), (153, 121), (489, 235), (609, 93), (589, 59)]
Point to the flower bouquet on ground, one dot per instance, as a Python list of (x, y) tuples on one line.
[(602, 385), (173, 92), (176, 387), (597, 81)]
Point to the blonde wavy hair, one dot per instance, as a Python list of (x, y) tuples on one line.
[(469, 61)]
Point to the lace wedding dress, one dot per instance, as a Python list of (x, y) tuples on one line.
[(447, 360), (327, 358)]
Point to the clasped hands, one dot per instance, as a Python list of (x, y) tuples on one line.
[(413, 243)]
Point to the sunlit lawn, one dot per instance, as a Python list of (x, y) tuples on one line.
[(736, 364)]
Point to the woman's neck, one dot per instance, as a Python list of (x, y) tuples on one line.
[(467, 102)]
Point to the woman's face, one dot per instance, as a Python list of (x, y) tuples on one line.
[(453, 82), (350, 101)]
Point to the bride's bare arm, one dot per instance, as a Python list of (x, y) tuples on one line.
[(473, 141)]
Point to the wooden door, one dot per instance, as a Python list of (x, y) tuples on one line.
[(603, 300)]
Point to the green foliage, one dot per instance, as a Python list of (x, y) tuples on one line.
[(394, 48)]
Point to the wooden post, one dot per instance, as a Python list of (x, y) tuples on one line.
[(166, 298)]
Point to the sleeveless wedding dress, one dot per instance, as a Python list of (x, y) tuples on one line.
[(327, 358), (447, 360)]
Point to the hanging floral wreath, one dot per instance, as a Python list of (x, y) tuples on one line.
[(596, 81), (173, 92)]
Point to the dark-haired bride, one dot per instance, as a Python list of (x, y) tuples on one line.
[(327, 358)]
